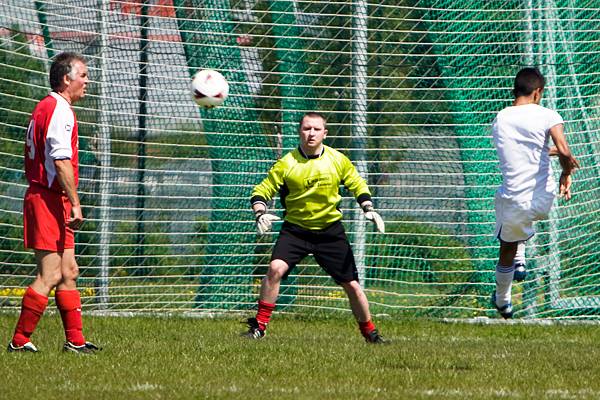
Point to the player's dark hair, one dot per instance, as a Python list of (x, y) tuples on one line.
[(62, 65), (313, 114), (527, 80)]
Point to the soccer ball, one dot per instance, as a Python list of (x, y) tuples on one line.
[(209, 88)]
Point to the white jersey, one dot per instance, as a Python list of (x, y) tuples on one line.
[(521, 136)]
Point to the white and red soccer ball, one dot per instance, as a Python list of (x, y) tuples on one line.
[(209, 88)]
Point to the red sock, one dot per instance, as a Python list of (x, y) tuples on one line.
[(264, 313), (366, 327), (69, 305), (32, 308)]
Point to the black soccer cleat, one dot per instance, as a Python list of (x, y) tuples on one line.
[(375, 338), (254, 330), (26, 348), (520, 272), (87, 348), (506, 311)]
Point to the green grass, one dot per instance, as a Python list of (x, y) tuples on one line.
[(178, 358)]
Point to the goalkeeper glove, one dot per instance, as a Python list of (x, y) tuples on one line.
[(264, 221), (374, 217)]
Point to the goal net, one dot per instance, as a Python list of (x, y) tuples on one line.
[(410, 88)]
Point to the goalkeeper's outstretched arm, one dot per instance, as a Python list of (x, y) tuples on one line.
[(262, 194), (358, 186)]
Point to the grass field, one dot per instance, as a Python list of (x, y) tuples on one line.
[(178, 358)]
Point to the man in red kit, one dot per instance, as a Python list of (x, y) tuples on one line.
[(51, 209)]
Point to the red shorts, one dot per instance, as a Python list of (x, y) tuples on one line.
[(45, 216)]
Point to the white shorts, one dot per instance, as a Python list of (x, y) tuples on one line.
[(514, 220)]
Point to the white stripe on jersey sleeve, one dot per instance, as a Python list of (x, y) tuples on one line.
[(60, 129), (58, 137)]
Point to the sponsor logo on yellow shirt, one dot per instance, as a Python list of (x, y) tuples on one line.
[(318, 181)]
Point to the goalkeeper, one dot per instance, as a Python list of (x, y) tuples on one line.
[(308, 180)]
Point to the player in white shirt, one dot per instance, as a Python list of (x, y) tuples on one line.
[(521, 136)]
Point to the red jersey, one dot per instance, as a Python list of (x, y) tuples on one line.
[(51, 135)]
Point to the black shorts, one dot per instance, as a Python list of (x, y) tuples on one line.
[(329, 246)]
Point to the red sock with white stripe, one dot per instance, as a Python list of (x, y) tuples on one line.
[(69, 305), (33, 306), (263, 316)]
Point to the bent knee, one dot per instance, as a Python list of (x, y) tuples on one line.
[(352, 286), (70, 271), (52, 279), (277, 269)]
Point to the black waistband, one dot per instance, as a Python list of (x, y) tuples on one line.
[(300, 229)]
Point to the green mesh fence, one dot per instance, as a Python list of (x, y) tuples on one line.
[(166, 185), (476, 69), (235, 138)]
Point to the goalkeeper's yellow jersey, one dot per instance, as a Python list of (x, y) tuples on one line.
[(309, 187)]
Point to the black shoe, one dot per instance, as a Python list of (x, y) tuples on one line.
[(87, 348), (26, 348), (375, 337), (506, 311), (520, 272), (254, 331)]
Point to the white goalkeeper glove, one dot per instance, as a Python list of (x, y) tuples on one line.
[(374, 217), (264, 221)]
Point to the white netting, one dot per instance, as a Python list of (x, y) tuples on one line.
[(410, 89)]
